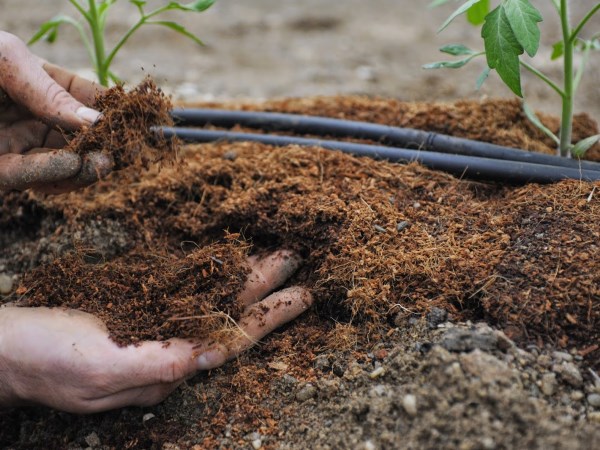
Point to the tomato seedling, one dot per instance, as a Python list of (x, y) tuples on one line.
[(510, 30), (94, 15)]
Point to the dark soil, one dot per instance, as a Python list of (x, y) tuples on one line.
[(383, 244)]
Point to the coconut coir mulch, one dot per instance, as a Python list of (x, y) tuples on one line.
[(380, 240)]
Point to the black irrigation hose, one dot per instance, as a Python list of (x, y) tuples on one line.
[(515, 172), (385, 135)]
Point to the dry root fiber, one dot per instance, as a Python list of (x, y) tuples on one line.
[(125, 130)]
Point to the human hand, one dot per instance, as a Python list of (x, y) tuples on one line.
[(37, 100), (64, 358)]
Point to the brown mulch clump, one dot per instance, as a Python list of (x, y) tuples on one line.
[(125, 130)]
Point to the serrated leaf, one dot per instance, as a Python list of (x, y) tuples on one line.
[(482, 77), (178, 28), (584, 145), (461, 10), (456, 50), (523, 18), (558, 49), (476, 13), (502, 49), (534, 119)]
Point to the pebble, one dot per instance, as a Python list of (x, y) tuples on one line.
[(92, 440), (377, 373), (322, 363), (436, 316), (544, 360), (256, 444), (148, 418), (594, 400), (577, 395), (594, 417), (569, 373), (409, 403), (6, 284), (306, 393), (464, 340), (562, 356), (402, 225)]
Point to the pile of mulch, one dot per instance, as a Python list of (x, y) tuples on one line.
[(380, 240)]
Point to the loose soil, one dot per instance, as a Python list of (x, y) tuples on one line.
[(389, 251)]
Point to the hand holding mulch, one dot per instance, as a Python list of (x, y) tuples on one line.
[(38, 103), (65, 358)]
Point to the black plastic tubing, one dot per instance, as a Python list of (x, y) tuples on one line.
[(514, 172), (386, 135)]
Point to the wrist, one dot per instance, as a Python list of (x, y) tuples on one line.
[(7, 394)]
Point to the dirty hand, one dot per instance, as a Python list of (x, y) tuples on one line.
[(37, 100), (64, 358)]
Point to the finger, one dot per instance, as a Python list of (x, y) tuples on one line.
[(94, 167), (268, 274), (259, 320), (25, 171), (81, 89), (23, 136), (27, 83)]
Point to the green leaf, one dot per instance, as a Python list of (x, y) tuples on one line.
[(584, 145), (461, 10), (502, 49), (456, 50), (534, 119), (558, 49), (481, 79), (476, 13), (523, 18), (178, 28), (450, 64), (49, 30), (197, 6)]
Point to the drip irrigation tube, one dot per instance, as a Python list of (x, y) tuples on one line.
[(515, 172), (385, 135)]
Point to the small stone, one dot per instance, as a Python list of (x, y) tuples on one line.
[(148, 418), (338, 368), (367, 445), (464, 340), (230, 155), (594, 400), (503, 341), (92, 440), (306, 393), (322, 363), (6, 284), (544, 361), (436, 316), (256, 444), (549, 384), (409, 403), (577, 396), (594, 417), (562, 356), (569, 373), (378, 372), (402, 225)]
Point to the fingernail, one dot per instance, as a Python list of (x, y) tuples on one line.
[(88, 114), (208, 360)]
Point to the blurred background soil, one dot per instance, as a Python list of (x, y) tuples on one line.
[(273, 48)]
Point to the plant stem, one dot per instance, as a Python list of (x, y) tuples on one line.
[(98, 38), (544, 78), (566, 124), (587, 17)]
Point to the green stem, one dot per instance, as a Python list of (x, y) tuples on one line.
[(566, 124), (584, 60), (98, 39), (78, 7), (544, 78), (587, 17), (122, 41)]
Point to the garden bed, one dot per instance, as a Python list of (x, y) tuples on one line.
[(389, 250)]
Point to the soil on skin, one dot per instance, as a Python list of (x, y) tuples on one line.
[(385, 247)]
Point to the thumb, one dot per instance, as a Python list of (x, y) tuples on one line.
[(27, 83)]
